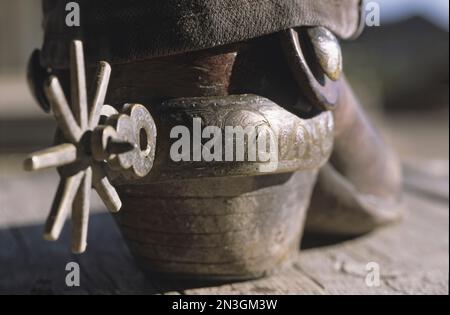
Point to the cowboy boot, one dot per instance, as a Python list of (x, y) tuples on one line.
[(234, 220)]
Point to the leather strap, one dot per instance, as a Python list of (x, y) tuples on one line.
[(120, 31)]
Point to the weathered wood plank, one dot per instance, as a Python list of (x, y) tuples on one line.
[(413, 256)]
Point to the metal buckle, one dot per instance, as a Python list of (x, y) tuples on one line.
[(315, 59)]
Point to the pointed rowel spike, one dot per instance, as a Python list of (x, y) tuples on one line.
[(80, 213), (62, 203), (116, 146)]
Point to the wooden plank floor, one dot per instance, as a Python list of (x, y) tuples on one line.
[(413, 256)]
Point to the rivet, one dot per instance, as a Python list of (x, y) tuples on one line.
[(328, 51)]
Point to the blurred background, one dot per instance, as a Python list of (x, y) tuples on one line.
[(400, 70)]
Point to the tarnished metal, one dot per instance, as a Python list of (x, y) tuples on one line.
[(218, 219), (302, 144), (134, 125), (87, 147), (306, 67), (327, 50)]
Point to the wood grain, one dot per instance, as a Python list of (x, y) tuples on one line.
[(413, 255)]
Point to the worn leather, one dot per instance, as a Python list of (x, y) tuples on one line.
[(122, 31)]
